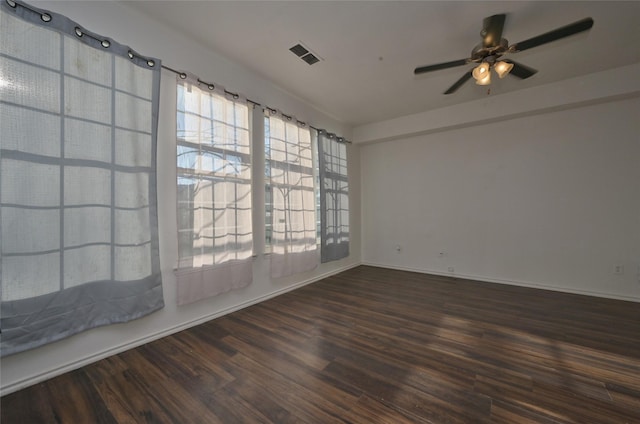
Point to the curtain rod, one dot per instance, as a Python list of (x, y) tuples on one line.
[(211, 86), (46, 17)]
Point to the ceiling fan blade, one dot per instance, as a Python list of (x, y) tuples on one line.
[(492, 27), (565, 31), (459, 83), (437, 67), (521, 71)]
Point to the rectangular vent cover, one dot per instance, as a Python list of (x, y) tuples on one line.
[(310, 58), (305, 54), (299, 50)]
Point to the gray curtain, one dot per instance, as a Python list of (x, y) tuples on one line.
[(79, 246), (334, 197)]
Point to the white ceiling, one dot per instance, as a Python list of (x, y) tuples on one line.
[(370, 48)]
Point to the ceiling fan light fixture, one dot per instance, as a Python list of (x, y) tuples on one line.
[(503, 68), (486, 80), (481, 72), (493, 46)]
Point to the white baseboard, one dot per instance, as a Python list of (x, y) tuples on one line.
[(79, 363), (503, 281)]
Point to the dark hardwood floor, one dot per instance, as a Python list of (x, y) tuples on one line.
[(370, 346)]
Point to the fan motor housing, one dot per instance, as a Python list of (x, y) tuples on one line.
[(480, 52)]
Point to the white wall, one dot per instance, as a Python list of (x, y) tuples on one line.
[(128, 27), (550, 200)]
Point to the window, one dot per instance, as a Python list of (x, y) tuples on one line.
[(334, 197), (214, 189), (77, 165), (289, 196), (268, 197), (268, 194), (316, 173)]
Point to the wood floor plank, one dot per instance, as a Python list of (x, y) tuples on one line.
[(253, 395), (179, 402), (33, 405), (75, 399), (310, 406), (368, 410), (372, 346), (506, 413), (304, 379), (127, 399)]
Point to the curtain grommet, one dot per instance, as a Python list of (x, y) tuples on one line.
[(12, 3), (79, 32), (45, 17), (151, 63), (106, 44)]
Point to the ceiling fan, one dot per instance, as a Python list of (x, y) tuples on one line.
[(488, 54)]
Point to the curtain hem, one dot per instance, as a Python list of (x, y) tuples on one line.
[(283, 265), (32, 322), (333, 252), (194, 284)]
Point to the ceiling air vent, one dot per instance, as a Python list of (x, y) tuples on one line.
[(299, 50), (305, 54), (310, 58)]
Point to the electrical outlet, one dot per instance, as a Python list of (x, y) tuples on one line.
[(450, 269), (618, 269)]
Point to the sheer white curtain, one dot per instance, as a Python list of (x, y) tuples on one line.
[(215, 242), (334, 197), (289, 170), (79, 241)]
